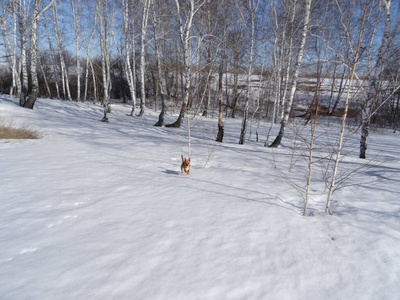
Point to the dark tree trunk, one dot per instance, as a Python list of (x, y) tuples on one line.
[(278, 139), (179, 121), (160, 121), (243, 131), (30, 103), (220, 135)]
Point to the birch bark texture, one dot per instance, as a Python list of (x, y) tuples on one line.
[(64, 74), (253, 8), (37, 13), (129, 48), (9, 9), (339, 148), (76, 17), (375, 83), (293, 85), (161, 80), (185, 30), (105, 21), (145, 17)]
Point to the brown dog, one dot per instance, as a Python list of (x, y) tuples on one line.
[(185, 166)]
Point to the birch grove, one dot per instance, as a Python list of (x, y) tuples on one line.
[(264, 61)]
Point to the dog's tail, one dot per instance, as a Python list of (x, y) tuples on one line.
[(182, 157)]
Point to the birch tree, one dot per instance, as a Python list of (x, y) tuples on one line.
[(9, 12), (89, 64), (220, 134), (63, 71), (129, 48), (253, 4), (22, 15), (293, 85), (375, 82), (337, 155), (37, 13), (145, 16), (76, 7), (105, 22), (287, 34), (161, 80), (185, 20)]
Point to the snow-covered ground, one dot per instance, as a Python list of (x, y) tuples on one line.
[(101, 211)]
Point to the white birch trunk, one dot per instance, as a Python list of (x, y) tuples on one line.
[(55, 67), (16, 75), (161, 79), (332, 184), (185, 35), (33, 47), (45, 81), (374, 83), (146, 6), (104, 31), (94, 81), (253, 8), (11, 51), (63, 72), (22, 22), (289, 102), (285, 56), (76, 15), (88, 66), (129, 47)]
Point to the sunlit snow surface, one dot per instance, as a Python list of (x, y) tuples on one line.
[(101, 211)]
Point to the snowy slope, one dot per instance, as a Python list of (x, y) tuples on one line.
[(101, 211)]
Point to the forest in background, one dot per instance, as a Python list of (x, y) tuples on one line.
[(242, 58)]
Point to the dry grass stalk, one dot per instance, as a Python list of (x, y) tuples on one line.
[(8, 131)]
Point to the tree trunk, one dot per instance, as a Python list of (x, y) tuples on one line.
[(161, 81), (253, 8), (338, 151), (185, 34), (88, 65), (220, 135), (375, 82), (145, 16), (11, 51), (289, 103), (129, 45), (33, 39), (34, 77), (103, 19), (64, 73), (22, 21), (76, 9)]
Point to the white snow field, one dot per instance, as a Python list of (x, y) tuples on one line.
[(101, 211)]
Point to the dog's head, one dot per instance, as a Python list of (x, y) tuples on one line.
[(185, 162)]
